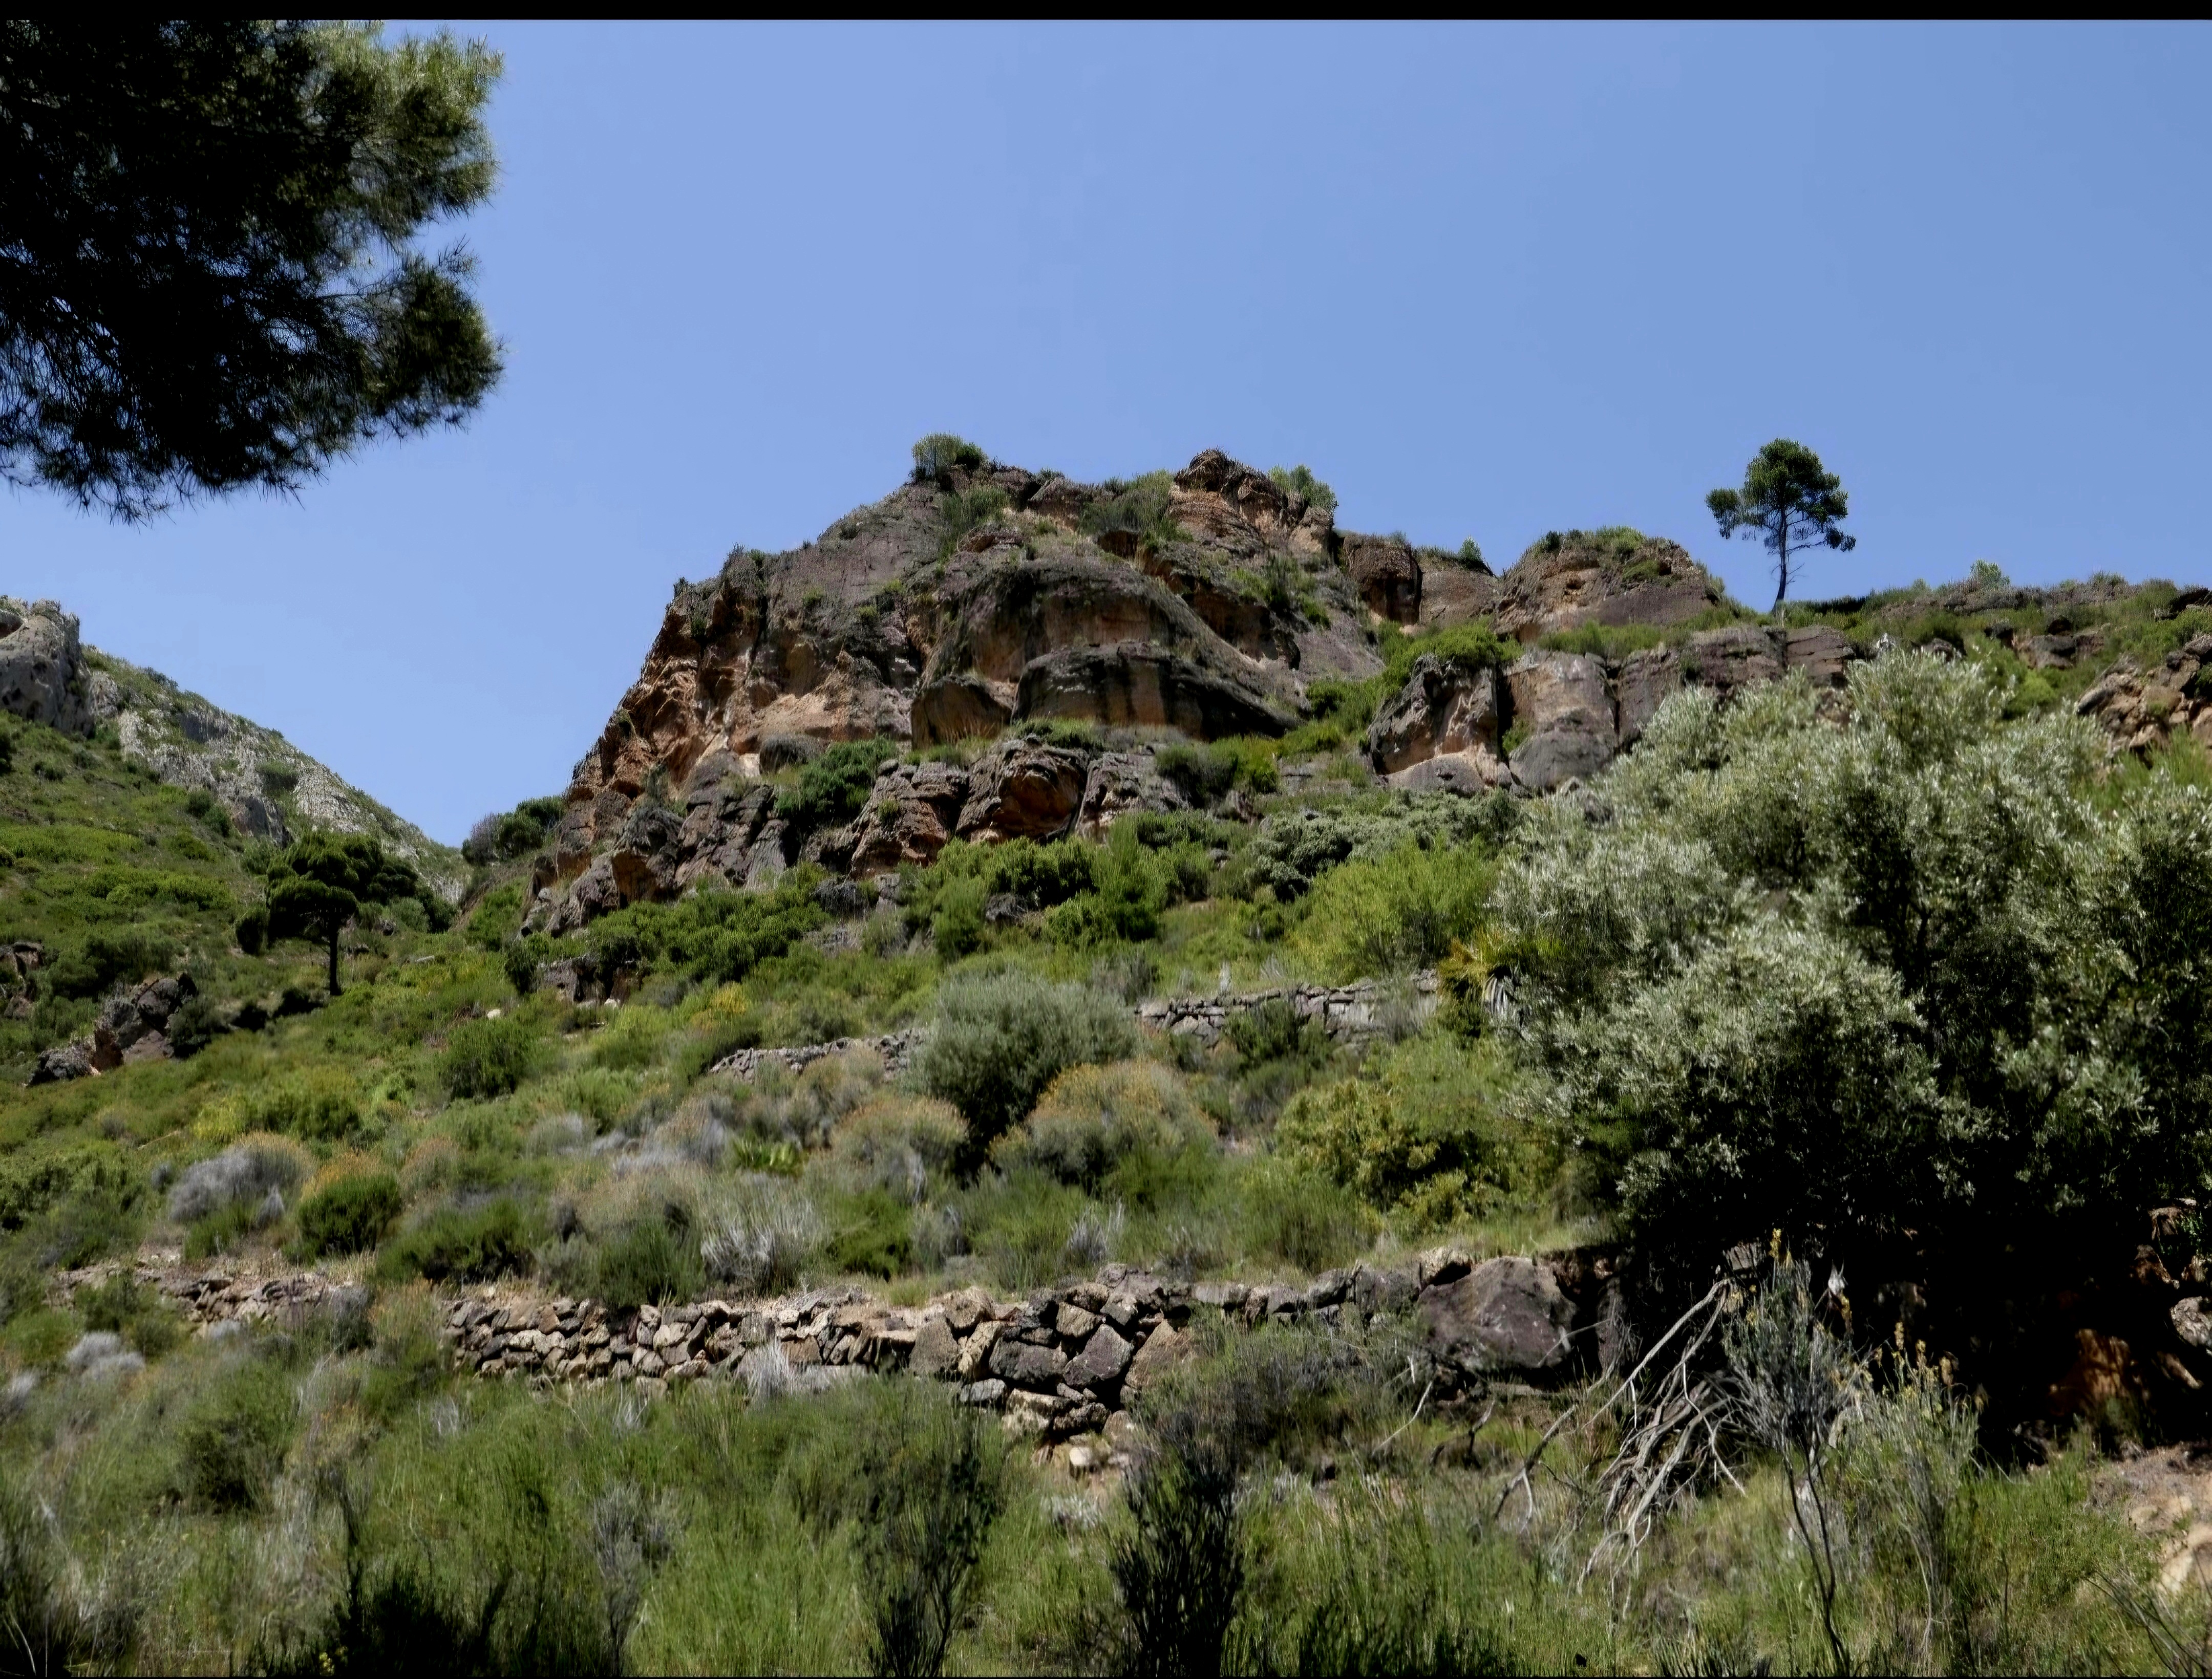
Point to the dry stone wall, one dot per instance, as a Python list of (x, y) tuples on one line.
[(1060, 1363), (1364, 1010)]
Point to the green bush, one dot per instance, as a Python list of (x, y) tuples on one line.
[(1302, 1218), (1041, 875), (1419, 1135), (1205, 772), (1180, 1568), (1300, 480), (1138, 508), (934, 1480), (716, 936), (320, 1104), (461, 1245), (1892, 976), (651, 1260), (937, 456), (110, 957), (1132, 893), (493, 922), (1002, 1039), (123, 1306), (1292, 849), (349, 1216), (252, 931), (958, 926), (1395, 914), (30, 1183), (1096, 1122), (487, 1057), (232, 1440), (874, 1234), (831, 789), (521, 958)]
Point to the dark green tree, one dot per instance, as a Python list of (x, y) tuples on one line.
[(1789, 503), (327, 879), (209, 268)]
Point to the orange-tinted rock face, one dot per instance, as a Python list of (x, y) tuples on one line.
[(923, 617)]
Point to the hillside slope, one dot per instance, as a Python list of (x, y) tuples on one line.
[(268, 787)]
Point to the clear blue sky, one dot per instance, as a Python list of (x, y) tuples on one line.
[(1487, 282)]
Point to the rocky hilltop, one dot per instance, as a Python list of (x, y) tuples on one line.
[(269, 788), (971, 614)]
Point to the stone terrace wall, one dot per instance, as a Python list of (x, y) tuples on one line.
[(1061, 1362), (1349, 1012)]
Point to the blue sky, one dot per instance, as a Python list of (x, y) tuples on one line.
[(1487, 281)]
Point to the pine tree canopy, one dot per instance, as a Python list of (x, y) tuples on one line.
[(210, 268)]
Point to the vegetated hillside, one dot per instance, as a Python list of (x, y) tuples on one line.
[(268, 788), (1811, 1027)]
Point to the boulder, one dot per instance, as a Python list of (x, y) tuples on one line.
[(648, 855), (133, 1025), (1121, 784), (593, 895), (1564, 714), (41, 675), (1231, 506), (1643, 684), (958, 706), (64, 1061), (1444, 706), (1138, 684), (1386, 573), (1733, 657), (1026, 1365), (1463, 772), (936, 1352), (1163, 1348), (1821, 651), (1103, 1360), (2192, 1323), (1456, 593), (912, 811), (1505, 1314), (1023, 789)]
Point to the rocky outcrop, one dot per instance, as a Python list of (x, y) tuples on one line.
[(965, 605), (1137, 684), (1228, 505), (1123, 784), (2140, 710), (1445, 707), (1606, 577), (912, 811), (1505, 1315), (895, 1049), (1563, 713), (268, 787), (1388, 574), (42, 675), (1022, 790), (1457, 591), (1567, 715), (132, 1026), (1348, 1013)]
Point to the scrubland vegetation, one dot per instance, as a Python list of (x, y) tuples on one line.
[(1909, 1005)]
